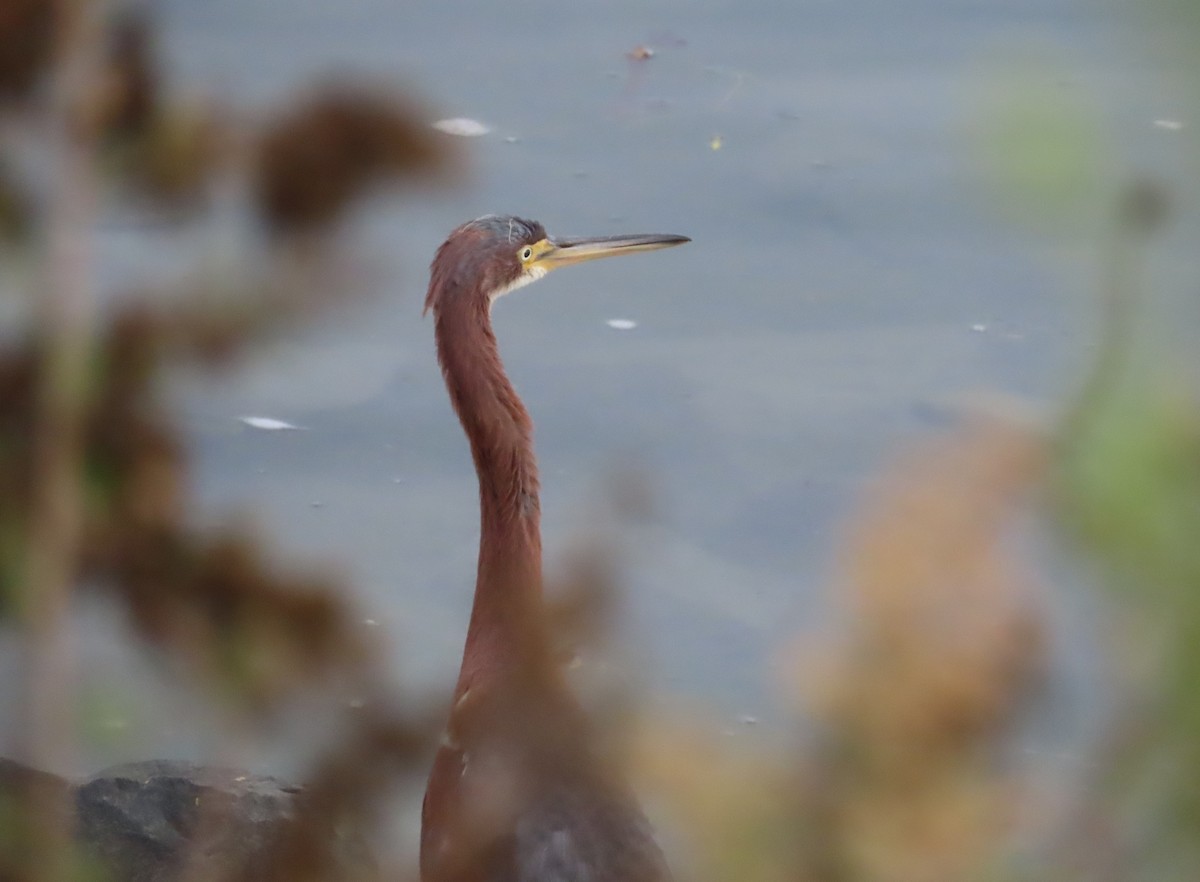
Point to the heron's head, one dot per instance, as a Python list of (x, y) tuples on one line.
[(492, 255)]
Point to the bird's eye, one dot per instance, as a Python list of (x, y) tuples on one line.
[(526, 253)]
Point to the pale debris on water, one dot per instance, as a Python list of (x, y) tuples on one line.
[(979, 327), (715, 143), (462, 126), (268, 424), (1171, 125), (622, 324)]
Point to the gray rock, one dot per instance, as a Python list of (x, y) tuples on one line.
[(161, 821), (145, 820)]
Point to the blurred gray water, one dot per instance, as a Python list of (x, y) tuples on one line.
[(849, 281)]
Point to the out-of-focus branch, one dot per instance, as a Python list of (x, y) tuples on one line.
[(1140, 212), (65, 318)]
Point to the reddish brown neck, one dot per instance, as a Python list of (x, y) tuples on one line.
[(507, 629)]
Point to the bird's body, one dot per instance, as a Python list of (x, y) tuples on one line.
[(516, 793)]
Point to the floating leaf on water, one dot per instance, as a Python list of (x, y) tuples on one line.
[(640, 53), (267, 424), (462, 126), (715, 143), (622, 324)]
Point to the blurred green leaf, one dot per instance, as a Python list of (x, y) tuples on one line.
[(1040, 144), (1131, 487), (107, 715)]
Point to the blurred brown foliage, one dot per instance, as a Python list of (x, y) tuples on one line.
[(26, 46), (215, 600), (334, 147), (248, 632), (938, 600), (345, 791), (943, 646), (16, 208), (903, 779), (166, 149)]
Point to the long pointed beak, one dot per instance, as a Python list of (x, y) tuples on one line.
[(564, 252)]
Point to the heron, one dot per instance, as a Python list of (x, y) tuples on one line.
[(517, 791)]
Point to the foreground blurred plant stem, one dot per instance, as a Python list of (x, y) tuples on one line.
[(1120, 297), (64, 318)]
